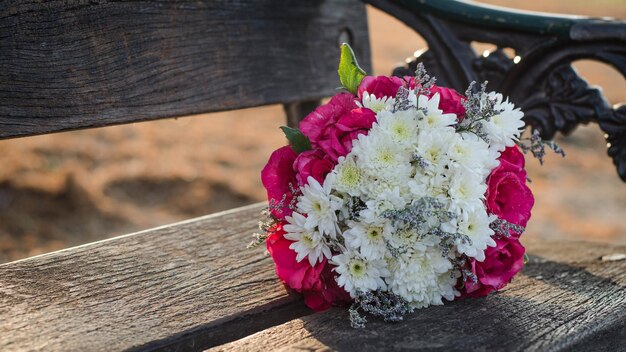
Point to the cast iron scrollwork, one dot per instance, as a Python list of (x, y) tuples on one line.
[(613, 122), (567, 99), (494, 67), (540, 79)]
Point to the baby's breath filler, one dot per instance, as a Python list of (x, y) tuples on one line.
[(537, 146)]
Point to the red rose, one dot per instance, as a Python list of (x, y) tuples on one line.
[(501, 263), (410, 82), (313, 163), (380, 86), (276, 176), (338, 139), (507, 195), (513, 156), (296, 275), (327, 294), (315, 282), (314, 125), (450, 101)]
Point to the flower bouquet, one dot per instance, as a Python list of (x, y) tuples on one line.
[(398, 194)]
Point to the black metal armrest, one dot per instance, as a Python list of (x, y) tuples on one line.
[(539, 78)]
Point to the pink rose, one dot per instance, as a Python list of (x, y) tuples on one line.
[(380, 86), (501, 263), (410, 82), (315, 124), (317, 282), (297, 275), (276, 176), (314, 163), (507, 195), (328, 293), (512, 155), (338, 140), (450, 101)]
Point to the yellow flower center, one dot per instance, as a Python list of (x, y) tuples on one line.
[(357, 268)]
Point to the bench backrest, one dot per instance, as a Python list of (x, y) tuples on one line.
[(71, 65)]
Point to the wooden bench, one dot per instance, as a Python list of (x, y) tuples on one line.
[(67, 65)]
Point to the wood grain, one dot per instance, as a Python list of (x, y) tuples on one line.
[(565, 299), (76, 64), (189, 285)]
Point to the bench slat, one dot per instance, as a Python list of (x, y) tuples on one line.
[(74, 64), (188, 284), (565, 299)]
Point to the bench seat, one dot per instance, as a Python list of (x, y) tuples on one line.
[(179, 286), (566, 299), (194, 285)]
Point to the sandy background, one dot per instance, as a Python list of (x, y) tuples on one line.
[(71, 188)]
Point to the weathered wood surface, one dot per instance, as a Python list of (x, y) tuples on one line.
[(189, 285), (77, 64), (566, 299), (193, 285)]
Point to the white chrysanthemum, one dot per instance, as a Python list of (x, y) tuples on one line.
[(435, 186), (401, 126), (475, 226), (379, 155), (368, 238), (434, 146), (375, 187), (434, 116), (412, 98), (504, 128), (420, 277), (358, 274), (407, 240), (389, 199), (376, 104), (466, 192), (473, 154), (308, 242), (348, 176), (320, 206)]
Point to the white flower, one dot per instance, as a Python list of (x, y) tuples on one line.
[(435, 186), (407, 240), (379, 155), (376, 104), (368, 238), (422, 277), (412, 98), (358, 274), (434, 146), (476, 227), (308, 242), (320, 206), (401, 126), (389, 199), (466, 191), (434, 116), (348, 176), (503, 129), (473, 154)]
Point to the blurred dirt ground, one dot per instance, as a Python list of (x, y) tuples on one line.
[(71, 188)]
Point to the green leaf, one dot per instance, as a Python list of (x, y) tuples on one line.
[(350, 74), (525, 258), (298, 141)]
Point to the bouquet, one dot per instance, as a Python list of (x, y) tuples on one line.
[(398, 194)]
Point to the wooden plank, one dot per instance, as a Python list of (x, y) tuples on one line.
[(567, 298), (189, 285), (78, 64)]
